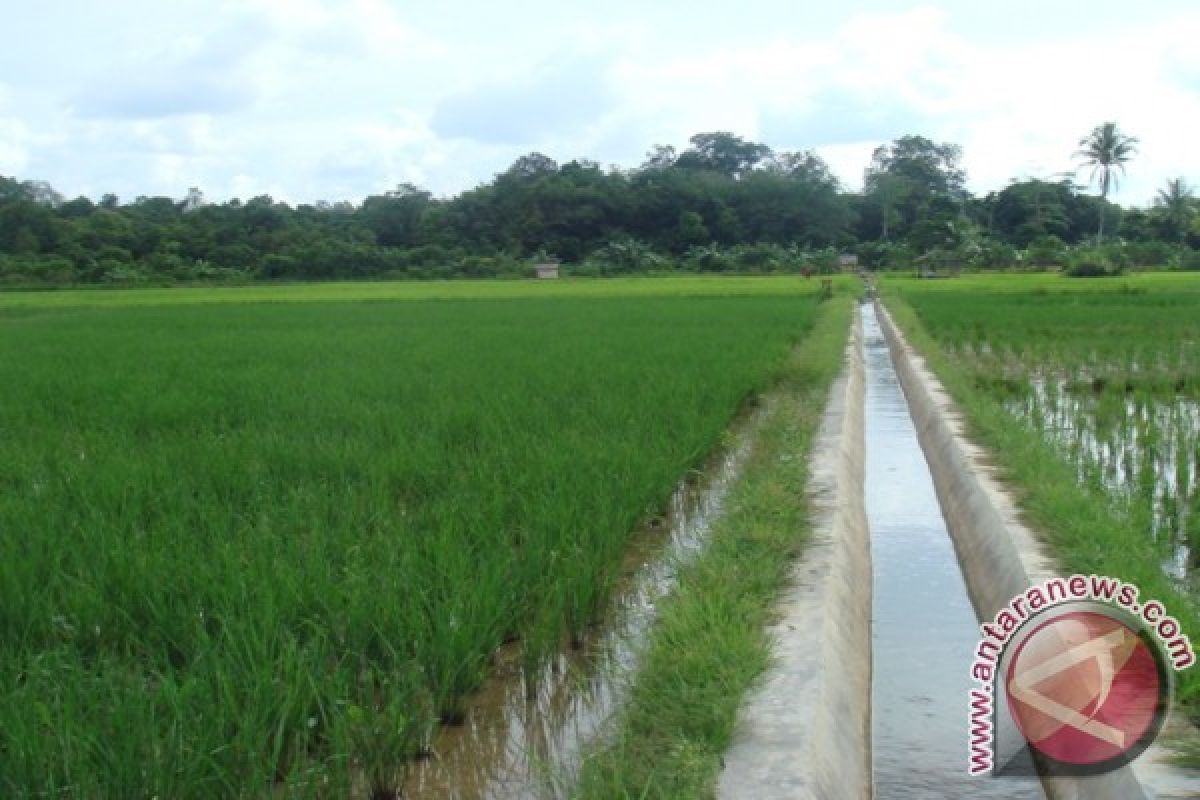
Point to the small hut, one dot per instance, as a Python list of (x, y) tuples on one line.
[(848, 262), (547, 270)]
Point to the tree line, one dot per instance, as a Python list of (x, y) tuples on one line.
[(722, 204)]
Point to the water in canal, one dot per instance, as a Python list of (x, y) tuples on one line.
[(924, 629)]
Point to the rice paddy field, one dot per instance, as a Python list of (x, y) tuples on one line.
[(1106, 373), (262, 543)]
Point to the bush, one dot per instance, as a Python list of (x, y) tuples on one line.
[(584, 269), (1088, 269), (428, 255), (624, 255), (995, 255), (1190, 260), (1046, 251), (1149, 254), (1116, 255), (277, 265), (884, 255), (202, 271), (122, 274), (1095, 262), (709, 258), (825, 261), (37, 269), (758, 257), (491, 266)]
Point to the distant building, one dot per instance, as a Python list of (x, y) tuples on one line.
[(848, 262), (546, 271)]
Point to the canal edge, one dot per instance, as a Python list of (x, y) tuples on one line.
[(999, 555), (804, 732)]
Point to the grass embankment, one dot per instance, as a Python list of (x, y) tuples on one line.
[(995, 340), (252, 549), (711, 643)]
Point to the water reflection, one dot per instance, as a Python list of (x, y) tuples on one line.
[(924, 630), (525, 738), (1137, 446)]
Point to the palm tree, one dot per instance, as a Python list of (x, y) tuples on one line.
[(1177, 204), (1105, 150)]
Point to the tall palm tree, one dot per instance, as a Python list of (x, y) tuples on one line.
[(1105, 150), (1177, 204)]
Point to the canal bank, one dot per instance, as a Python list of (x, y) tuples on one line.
[(805, 731), (1000, 556), (924, 628), (945, 548)]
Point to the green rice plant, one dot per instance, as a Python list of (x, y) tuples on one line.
[(253, 549), (711, 642), (1192, 522), (1121, 358), (1112, 417)]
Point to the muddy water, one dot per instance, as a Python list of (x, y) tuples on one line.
[(525, 739), (924, 630)]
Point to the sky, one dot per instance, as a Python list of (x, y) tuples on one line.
[(309, 100)]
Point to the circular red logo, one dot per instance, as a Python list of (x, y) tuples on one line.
[(1086, 690)]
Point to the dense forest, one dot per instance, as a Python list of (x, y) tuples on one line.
[(723, 204)]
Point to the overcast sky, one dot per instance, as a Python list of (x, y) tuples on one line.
[(315, 99)]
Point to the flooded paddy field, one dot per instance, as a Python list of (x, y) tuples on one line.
[(1109, 372), (1142, 448), (276, 548), (1086, 391)]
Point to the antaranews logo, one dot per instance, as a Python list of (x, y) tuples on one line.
[(1077, 672)]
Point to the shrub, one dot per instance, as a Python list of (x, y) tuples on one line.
[(491, 266), (824, 261), (709, 258), (1095, 262), (758, 257), (624, 255), (1149, 254), (116, 272), (1088, 269), (884, 255), (1116, 255), (18, 269), (1046, 251), (995, 255)]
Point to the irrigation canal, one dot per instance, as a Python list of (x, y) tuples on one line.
[(867, 695), (923, 625)]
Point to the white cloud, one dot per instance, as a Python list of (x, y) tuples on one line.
[(14, 155), (561, 97), (312, 99)]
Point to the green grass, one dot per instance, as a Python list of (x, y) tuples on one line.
[(710, 643), (1108, 358), (263, 547)]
